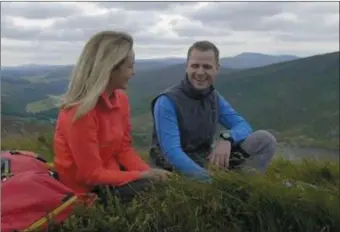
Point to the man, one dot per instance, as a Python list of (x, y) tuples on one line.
[(186, 117)]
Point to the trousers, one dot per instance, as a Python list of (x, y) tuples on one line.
[(255, 152)]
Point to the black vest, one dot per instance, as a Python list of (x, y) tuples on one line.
[(197, 114)]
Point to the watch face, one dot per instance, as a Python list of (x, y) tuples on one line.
[(225, 135)]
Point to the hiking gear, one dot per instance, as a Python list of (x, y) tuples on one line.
[(31, 195), (261, 147), (88, 151)]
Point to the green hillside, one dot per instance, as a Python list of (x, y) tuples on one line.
[(299, 98)]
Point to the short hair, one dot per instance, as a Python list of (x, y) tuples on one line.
[(204, 45)]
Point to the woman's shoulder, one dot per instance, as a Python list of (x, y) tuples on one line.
[(123, 98), (66, 115), (122, 95)]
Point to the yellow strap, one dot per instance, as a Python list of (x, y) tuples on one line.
[(55, 212), (50, 165)]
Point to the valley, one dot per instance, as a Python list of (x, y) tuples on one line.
[(297, 98)]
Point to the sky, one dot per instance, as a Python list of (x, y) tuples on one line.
[(55, 32)]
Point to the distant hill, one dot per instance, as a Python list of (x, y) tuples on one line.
[(33, 84), (253, 60), (241, 61), (296, 98)]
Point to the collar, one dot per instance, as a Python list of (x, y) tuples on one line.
[(194, 93), (112, 102)]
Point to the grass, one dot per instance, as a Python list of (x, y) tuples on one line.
[(232, 202), (36, 79)]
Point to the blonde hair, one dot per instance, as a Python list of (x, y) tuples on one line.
[(103, 53)]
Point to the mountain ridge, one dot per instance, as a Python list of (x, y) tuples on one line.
[(167, 60)]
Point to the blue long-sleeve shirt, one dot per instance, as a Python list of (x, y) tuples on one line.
[(169, 136)]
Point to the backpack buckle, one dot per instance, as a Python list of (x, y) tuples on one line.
[(5, 168)]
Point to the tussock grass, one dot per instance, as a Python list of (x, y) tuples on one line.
[(41, 144), (234, 202)]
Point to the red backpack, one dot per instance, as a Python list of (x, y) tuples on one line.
[(31, 195)]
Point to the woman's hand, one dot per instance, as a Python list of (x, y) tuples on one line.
[(156, 174)]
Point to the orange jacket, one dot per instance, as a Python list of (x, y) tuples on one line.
[(88, 152)]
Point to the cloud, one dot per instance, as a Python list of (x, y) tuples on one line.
[(38, 10), (53, 32), (88, 25), (139, 6), (298, 21), (194, 28)]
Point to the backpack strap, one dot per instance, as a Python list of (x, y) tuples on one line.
[(50, 166), (28, 153)]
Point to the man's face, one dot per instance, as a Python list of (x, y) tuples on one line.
[(202, 68)]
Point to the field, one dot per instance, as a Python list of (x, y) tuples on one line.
[(233, 202), (42, 105)]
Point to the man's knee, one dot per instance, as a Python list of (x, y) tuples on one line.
[(258, 141), (266, 138)]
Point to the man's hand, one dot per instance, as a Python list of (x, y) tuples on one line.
[(220, 156), (156, 174)]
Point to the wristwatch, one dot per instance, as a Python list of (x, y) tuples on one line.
[(225, 135)]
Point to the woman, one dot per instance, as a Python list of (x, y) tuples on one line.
[(92, 136)]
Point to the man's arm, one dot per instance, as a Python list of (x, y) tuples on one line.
[(169, 139), (240, 129)]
